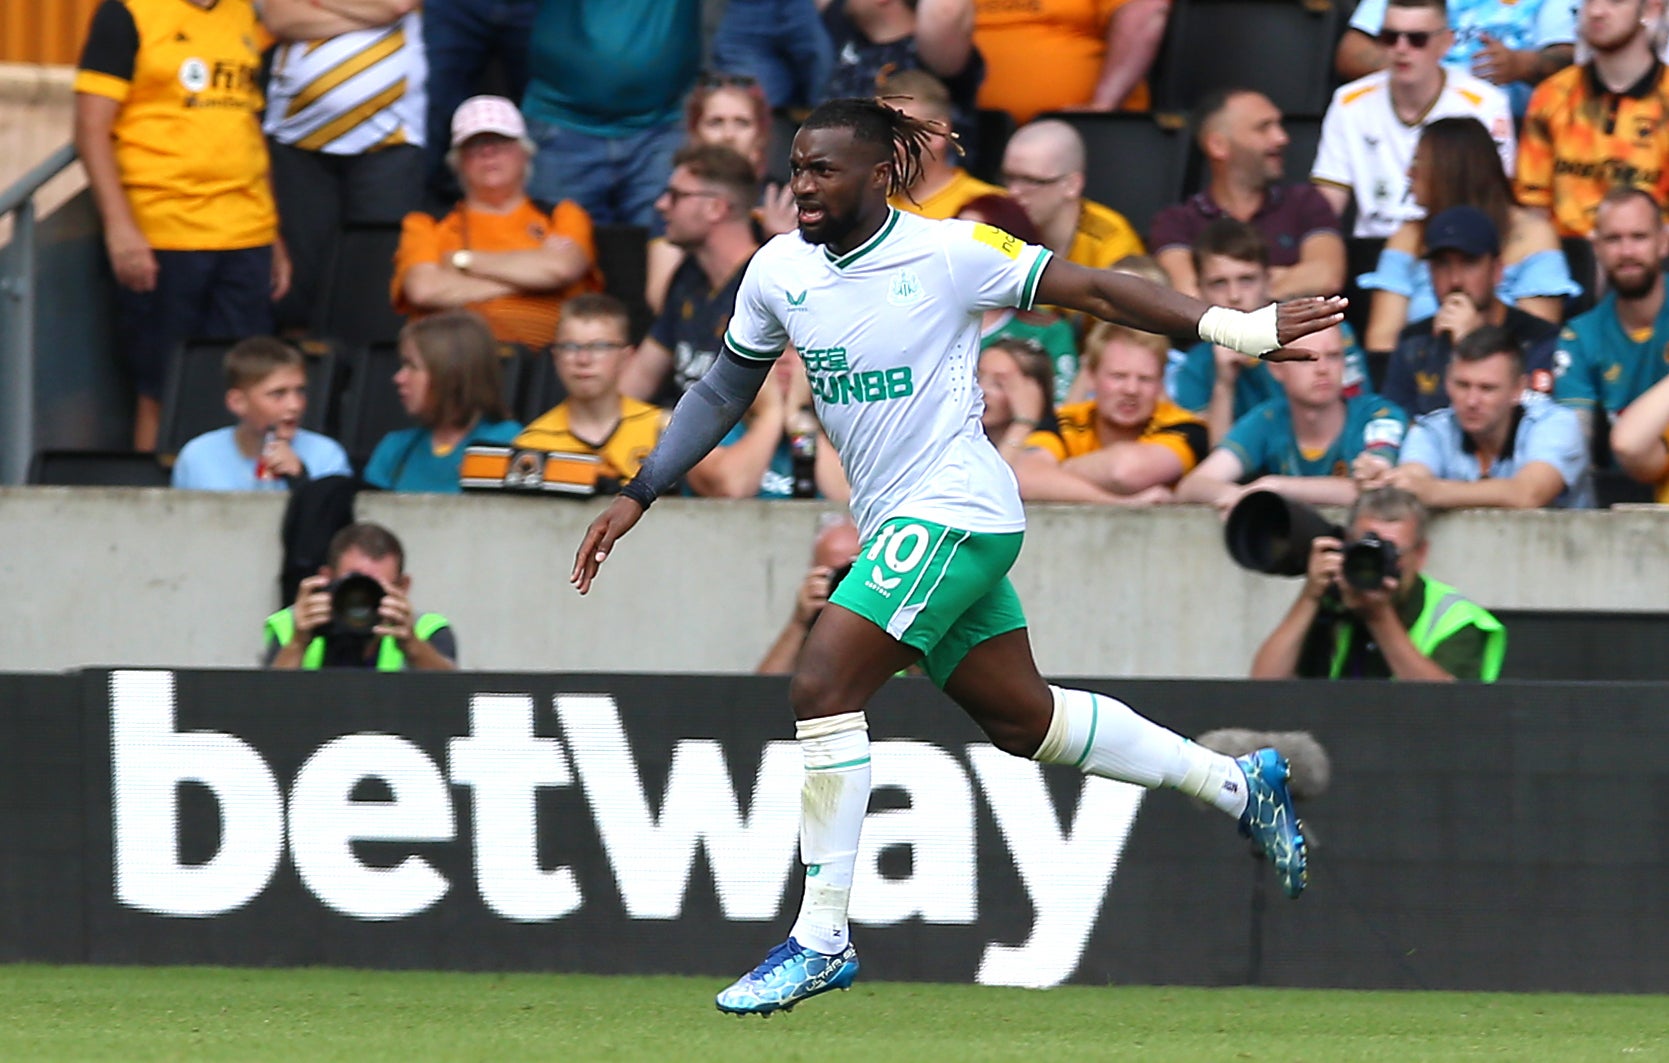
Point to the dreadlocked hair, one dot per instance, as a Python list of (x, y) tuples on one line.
[(874, 121)]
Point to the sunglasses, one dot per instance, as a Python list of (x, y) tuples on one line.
[(1415, 38)]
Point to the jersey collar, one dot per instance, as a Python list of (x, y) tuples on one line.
[(842, 261)]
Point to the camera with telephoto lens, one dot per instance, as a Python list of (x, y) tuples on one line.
[(355, 601), (1270, 533)]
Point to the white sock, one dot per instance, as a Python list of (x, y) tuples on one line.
[(1104, 736), (833, 802)]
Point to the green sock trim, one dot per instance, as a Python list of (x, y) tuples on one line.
[(1094, 721), (860, 762)]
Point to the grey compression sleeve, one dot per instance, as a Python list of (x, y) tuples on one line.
[(712, 407)]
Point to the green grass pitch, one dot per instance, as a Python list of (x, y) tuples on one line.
[(125, 1013)]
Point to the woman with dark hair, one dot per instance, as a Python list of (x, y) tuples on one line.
[(1456, 162), (1048, 332), (726, 109), (1016, 378), (451, 383)]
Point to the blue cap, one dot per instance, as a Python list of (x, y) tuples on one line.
[(1464, 229)]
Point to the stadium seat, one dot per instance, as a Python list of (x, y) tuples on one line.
[(1361, 255), (1134, 162), (1282, 48), (356, 308), (542, 390), (1304, 135), (622, 256), (194, 397), (97, 468), (1579, 257), (991, 132), (370, 406)]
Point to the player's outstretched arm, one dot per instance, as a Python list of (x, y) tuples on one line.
[(711, 408), (1140, 303)]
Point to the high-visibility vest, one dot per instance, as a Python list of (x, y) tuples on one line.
[(390, 658), (1445, 612)]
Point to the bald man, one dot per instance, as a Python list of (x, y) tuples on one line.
[(1241, 136), (1043, 168), (832, 554)]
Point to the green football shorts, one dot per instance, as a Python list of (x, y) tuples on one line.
[(941, 590)]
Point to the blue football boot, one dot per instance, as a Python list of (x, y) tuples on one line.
[(1269, 819), (791, 973)]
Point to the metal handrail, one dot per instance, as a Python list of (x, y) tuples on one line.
[(25, 187), (17, 321)]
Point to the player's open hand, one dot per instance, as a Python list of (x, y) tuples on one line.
[(1301, 317), (600, 538)]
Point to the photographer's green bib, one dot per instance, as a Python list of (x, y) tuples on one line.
[(281, 627), (1444, 612)]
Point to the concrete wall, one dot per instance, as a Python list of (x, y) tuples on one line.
[(129, 577)]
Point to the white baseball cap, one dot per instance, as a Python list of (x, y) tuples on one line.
[(487, 114)]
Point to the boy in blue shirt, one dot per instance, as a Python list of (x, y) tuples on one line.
[(1303, 442), (267, 449)]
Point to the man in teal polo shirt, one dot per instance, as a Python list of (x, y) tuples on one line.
[(400, 638), (1302, 443), (1410, 627)]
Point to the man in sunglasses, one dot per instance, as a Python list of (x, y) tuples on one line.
[(1510, 43), (1373, 123)]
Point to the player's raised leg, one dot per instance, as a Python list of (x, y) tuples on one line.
[(998, 684), (844, 661)]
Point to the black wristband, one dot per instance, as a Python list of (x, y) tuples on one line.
[(638, 492)]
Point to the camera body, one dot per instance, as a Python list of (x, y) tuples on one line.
[(1369, 561), (355, 601)]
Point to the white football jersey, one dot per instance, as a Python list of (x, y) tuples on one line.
[(1367, 149), (890, 337)]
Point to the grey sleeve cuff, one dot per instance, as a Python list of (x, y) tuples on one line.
[(709, 410)]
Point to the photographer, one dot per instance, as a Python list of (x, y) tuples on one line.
[(1367, 611), (355, 613), (832, 554)]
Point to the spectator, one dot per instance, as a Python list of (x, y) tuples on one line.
[(1415, 628), (1600, 124), (463, 39), (1043, 168), (267, 449), (725, 111), (316, 633), (1240, 134), (166, 105), (780, 43), (832, 554), (1464, 255), (875, 40), (593, 341), (498, 252), (1489, 447), (1510, 43), (706, 210), (1146, 267), (1096, 54), (1127, 446), (352, 155), (608, 80), (1609, 356), (1231, 262), (942, 187), (1301, 444), (451, 384), (778, 450), (1015, 382), (1368, 135), (1455, 164), (1051, 332), (1640, 439)]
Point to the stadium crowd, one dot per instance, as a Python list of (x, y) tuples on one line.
[(1488, 185)]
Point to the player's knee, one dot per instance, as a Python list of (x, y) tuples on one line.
[(1018, 737), (814, 693)]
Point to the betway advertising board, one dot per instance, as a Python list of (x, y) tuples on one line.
[(1506, 837)]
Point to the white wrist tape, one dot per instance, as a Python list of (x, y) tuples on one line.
[(1249, 333)]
